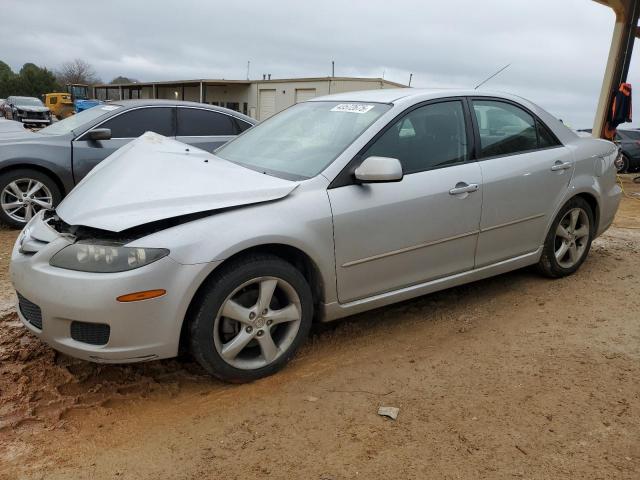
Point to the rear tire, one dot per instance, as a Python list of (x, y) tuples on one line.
[(23, 193), (624, 164), (568, 240), (249, 319)]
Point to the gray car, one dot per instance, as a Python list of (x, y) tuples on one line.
[(37, 169), (27, 110), (332, 207), (629, 143)]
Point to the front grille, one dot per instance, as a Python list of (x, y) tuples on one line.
[(92, 333), (35, 115), (30, 311)]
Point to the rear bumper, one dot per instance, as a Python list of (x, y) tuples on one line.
[(608, 208)]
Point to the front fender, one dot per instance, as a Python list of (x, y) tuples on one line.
[(302, 220), (54, 156)]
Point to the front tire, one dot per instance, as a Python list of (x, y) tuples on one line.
[(569, 240), (23, 193), (250, 318)]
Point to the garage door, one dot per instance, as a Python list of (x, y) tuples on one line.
[(267, 103), (304, 94)]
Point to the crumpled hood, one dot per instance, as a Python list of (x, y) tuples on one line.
[(155, 178), (32, 108)]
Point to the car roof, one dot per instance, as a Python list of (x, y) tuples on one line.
[(21, 97), (408, 96), (391, 95), (152, 102)]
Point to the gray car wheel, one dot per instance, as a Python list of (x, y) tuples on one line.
[(250, 318), (569, 239), (25, 192)]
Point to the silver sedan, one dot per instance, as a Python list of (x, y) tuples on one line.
[(332, 207)]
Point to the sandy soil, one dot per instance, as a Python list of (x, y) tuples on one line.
[(513, 377)]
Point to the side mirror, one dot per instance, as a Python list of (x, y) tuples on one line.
[(99, 134), (379, 170)]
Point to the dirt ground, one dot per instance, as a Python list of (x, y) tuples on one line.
[(512, 377)]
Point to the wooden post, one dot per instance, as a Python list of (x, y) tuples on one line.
[(622, 41)]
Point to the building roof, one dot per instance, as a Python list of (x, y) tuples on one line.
[(222, 81), (209, 81)]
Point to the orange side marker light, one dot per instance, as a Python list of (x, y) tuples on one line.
[(137, 296)]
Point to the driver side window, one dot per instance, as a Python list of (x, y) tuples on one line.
[(428, 137)]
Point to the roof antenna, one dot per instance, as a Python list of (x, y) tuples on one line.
[(495, 74)]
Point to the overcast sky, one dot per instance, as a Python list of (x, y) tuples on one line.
[(557, 48)]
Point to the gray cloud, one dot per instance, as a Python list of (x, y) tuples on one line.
[(557, 49)]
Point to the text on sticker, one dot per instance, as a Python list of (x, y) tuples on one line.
[(352, 108)]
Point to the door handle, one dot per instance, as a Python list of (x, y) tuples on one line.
[(560, 166), (462, 187)]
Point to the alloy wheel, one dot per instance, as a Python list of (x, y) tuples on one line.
[(572, 237), (257, 323), (22, 198)]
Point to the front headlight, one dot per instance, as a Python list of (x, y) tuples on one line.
[(85, 257)]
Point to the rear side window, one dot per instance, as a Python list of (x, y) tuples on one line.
[(195, 122), (242, 126), (134, 123), (545, 137), (506, 129)]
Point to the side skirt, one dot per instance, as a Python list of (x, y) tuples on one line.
[(335, 310)]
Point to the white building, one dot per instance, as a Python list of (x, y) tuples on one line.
[(257, 98)]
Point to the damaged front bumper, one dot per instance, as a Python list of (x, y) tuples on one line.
[(77, 312)]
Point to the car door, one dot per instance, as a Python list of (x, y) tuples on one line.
[(124, 127), (392, 235), (525, 172), (206, 129)]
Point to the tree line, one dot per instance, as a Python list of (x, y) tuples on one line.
[(34, 81)]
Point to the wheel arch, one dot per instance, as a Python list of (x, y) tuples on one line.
[(587, 196), (38, 168), (294, 255), (593, 203)]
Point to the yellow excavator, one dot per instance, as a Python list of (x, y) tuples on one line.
[(60, 104), (74, 100)]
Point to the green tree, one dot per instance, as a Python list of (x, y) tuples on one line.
[(120, 79), (7, 80), (35, 81), (31, 81)]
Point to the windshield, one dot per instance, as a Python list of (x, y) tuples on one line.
[(28, 102), (78, 120), (302, 140), (79, 91)]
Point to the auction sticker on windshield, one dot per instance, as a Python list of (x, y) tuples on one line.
[(109, 108), (352, 108)]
